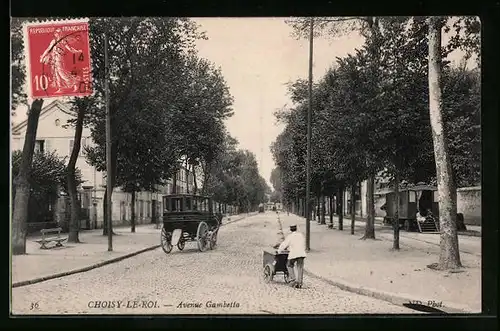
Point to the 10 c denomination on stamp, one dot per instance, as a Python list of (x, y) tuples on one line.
[(58, 59)]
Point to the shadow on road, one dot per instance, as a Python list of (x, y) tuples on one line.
[(423, 308)]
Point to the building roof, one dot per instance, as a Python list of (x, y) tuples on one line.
[(54, 104)]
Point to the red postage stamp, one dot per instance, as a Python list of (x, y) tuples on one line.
[(58, 59)]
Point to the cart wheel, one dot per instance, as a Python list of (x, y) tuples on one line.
[(181, 244), (268, 275), (202, 236), (166, 241), (213, 240)]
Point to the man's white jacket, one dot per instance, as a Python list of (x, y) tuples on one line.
[(295, 243)]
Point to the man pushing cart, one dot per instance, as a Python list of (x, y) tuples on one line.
[(295, 244)]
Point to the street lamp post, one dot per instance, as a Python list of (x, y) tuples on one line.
[(308, 161), (109, 173)]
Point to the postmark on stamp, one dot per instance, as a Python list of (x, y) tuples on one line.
[(58, 59)]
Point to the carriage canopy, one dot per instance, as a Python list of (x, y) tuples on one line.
[(186, 203)]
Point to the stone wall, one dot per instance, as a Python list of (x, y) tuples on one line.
[(469, 204)]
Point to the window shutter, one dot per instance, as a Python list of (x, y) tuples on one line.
[(47, 146)]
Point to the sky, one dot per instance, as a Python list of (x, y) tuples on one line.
[(258, 56)]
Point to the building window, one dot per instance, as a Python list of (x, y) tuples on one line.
[(141, 209), (413, 196), (122, 211), (148, 209), (40, 146), (83, 144)]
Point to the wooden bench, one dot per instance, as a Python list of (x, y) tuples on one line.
[(57, 237)]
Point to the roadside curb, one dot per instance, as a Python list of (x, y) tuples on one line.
[(100, 264), (76, 271), (398, 300)]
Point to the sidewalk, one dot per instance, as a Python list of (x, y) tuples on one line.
[(42, 264), (371, 268), (472, 230)]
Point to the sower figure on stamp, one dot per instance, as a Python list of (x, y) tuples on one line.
[(54, 56), (295, 243)]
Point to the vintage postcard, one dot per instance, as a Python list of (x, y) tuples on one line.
[(229, 166)]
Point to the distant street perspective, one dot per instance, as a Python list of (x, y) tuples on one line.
[(166, 166)]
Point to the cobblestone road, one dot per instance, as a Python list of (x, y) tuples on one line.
[(189, 282)]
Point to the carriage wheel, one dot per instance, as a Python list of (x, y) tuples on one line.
[(166, 240), (202, 236), (213, 240), (268, 275), (181, 244)]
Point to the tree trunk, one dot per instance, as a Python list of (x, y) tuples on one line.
[(344, 198), (370, 205), (74, 223), (395, 222), (331, 209), (316, 210), (341, 209), (104, 214), (187, 176), (323, 210), (132, 211), (353, 207), (22, 185), (206, 174), (194, 180), (297, 203), (449, 257), (361, 200), (174, 183)]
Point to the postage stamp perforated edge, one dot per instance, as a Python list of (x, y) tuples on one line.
[(42, 22)]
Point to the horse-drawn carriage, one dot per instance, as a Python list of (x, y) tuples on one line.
[(418, 208), (188, 217)]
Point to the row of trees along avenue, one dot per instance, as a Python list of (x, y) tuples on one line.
[(395, 108), (168, 109)]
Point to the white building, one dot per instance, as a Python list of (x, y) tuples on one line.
[(54, 134)]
